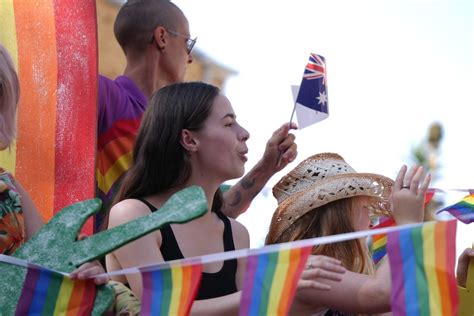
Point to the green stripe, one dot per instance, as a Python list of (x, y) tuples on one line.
[(421, 283), (268, 282), (52, 295), (167, 289)]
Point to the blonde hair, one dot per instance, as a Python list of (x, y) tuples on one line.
[(9, 96), (331, 219)]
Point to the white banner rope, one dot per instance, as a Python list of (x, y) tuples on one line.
[(240, 253)]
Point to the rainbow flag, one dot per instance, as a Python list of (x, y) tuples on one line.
[(270, 281), (49, 293), (422, 267), (379, 242), (170, 291), (54, 47), (462, 210)]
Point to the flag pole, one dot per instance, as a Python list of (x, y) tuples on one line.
[(291, 119)]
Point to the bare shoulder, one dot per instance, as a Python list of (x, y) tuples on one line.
[(126, 211), (240, 234)]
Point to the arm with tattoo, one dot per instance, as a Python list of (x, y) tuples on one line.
[(280, 150)]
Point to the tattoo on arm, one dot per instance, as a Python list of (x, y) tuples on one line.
[(247, 183), (237, 199)]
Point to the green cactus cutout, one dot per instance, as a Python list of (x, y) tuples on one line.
[(55, 245)]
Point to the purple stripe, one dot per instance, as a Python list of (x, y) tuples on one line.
[(27, 292), (118, 99), (396, 270), (246, 299), (147, 293)]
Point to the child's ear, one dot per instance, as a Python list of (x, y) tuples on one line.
[(189, 141)]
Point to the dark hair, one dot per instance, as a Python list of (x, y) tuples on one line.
[(159, 160), (137, 19)]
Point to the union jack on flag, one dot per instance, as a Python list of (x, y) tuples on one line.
[(312, 97), (315, 68)]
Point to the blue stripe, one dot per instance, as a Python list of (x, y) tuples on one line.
[(157, 281), (41, 290), (409, 272), (258, 283)]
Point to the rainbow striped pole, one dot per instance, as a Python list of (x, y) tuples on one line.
[(54, 46)]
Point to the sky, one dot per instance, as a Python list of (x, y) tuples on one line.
[(393, 68)]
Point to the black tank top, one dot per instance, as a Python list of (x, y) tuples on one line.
[(212, 284)]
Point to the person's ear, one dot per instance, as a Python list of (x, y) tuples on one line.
[(189, 141), (159, 35)]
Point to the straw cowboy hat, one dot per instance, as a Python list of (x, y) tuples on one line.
[(319, 180)]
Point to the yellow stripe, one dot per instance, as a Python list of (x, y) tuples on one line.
[(118, 168), (381, 242), (469, 199), (430, 266), (177, 279), (63, 297), (278, 282), (8, 39)]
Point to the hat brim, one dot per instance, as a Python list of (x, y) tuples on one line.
[(323, 192)]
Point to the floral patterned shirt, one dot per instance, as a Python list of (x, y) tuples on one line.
[(12, 226)]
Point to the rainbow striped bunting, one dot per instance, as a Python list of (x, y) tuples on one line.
[(170, 291), (462, 210), (422, 268), (270, 281), (49, 293), (379, 242)]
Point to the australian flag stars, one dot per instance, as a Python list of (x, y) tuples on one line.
[(312, 99)]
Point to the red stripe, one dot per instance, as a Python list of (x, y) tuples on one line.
[(77, 101), (450, 263), (87, 303), (315, 67), (119, 129)]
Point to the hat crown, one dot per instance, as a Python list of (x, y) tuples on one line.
[(313, 169)]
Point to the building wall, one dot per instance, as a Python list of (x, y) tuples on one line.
[(112, 60)]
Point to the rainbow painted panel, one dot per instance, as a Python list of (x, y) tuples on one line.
[(48, 293), (270, 281), (54, 46), (422, 267), (170, 291)]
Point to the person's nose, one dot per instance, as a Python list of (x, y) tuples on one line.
[(244, 135), (190, 58)]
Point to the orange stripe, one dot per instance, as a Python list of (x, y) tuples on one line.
[(76, 298), (185, 289), (37, 61), (440, 242), (113, 151), (295, 255)]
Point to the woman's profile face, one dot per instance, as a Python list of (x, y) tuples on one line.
[(222, 145), (360, 213)]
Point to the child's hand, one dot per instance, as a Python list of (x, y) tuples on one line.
[(320, 268), (408, 196), (88, 270)]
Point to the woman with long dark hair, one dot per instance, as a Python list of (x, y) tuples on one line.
[(189, 136)]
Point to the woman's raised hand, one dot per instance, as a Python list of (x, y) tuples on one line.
[(408, 195)]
